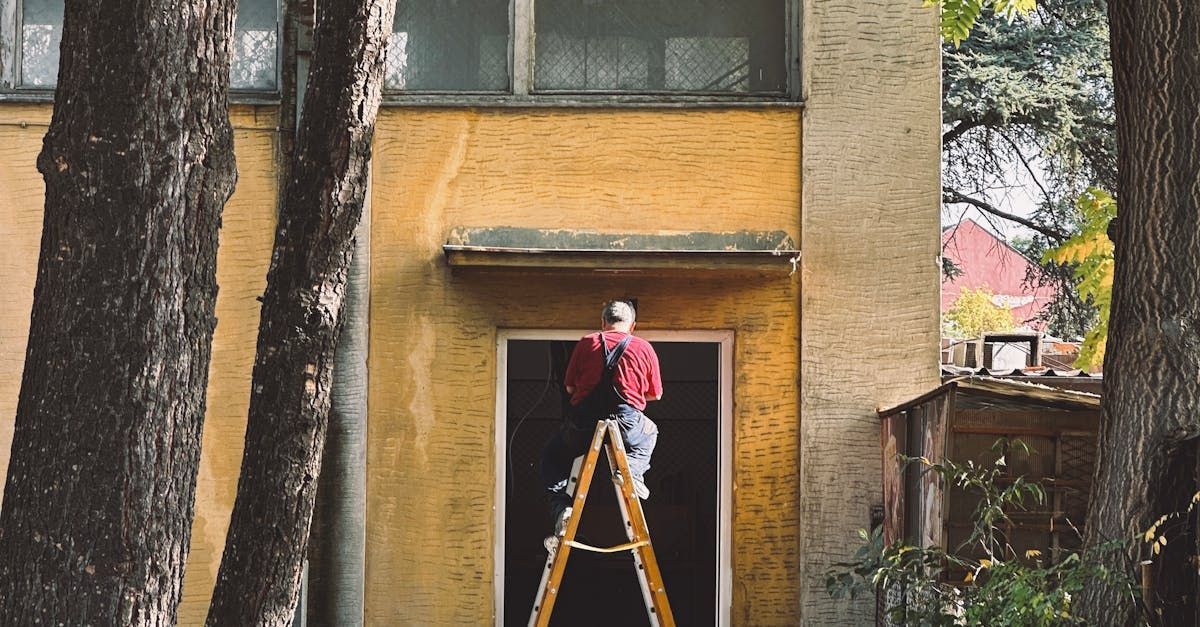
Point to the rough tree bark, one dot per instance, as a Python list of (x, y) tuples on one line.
[(138, 163), (259, 578), (1151, 390)]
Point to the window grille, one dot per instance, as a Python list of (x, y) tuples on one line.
[(41, 32), (690, 46), (449, 45), (254, 65)]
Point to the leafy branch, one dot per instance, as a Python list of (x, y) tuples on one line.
[(959, 16)]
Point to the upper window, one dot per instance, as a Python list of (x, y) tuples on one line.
[(702, 47), (41, 32), (449, 45), (699, 46), (254, 66), (255, 62)]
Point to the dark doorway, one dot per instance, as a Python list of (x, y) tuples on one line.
[(682, 510)]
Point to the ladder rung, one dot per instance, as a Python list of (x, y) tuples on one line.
[(628, 546)]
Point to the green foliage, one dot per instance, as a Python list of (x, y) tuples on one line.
[(1034, 97), (959, 16), (1003, 587), (1090, 253), (974, 313)]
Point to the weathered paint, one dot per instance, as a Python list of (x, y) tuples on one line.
[(869, 335), (246, 235), (433, 332)]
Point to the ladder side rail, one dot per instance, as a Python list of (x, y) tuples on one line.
[(548, 593), (658, 591), (624, 490)]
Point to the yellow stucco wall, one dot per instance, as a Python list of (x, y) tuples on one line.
[(246, 235), (432, 357)]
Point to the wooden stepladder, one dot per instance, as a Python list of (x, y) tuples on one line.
[(654, 593)]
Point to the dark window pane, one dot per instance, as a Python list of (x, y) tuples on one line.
[(449, 45), (712, 46), (41, 32), (254, 63), (255, 46)]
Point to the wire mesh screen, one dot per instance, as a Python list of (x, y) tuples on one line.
[(700, 46), (449, 45), (255, 46), (41, 32), (1079, 459)]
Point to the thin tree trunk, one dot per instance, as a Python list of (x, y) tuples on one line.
[(1151, 391), (259, 579), (138, 163)]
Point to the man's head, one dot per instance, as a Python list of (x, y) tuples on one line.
[(618, 315)]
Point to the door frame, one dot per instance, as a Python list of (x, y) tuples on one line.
[(724, 340)]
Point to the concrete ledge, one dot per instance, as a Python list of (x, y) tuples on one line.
[(772, 252)]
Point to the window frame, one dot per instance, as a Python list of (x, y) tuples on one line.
[(522, 92), (11, 88), (726, 340)]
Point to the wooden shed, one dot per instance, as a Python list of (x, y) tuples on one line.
[(980, 419)]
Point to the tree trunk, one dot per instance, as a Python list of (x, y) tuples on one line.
[(138, 163), (1151, 392), (258, 582)]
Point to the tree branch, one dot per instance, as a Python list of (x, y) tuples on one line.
[(1028, 168), (962, 127), (951, 196)]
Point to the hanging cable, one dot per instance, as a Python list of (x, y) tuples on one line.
[(545, 389)]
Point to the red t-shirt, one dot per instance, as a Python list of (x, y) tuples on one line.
[(636, 376)]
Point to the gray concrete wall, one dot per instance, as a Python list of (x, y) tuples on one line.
[(870, 223)]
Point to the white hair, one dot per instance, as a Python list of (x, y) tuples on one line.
[(618, 311)]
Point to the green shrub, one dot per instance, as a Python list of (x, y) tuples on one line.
[(1002, 587)]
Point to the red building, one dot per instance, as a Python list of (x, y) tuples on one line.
[(986, 260)]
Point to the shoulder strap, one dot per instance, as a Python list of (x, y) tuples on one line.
[(611, 356)]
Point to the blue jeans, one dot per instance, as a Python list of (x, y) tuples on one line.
[(638, 432)]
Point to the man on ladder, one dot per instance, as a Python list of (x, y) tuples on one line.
[(612, 374)]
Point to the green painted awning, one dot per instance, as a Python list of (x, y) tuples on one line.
[(564, 249)]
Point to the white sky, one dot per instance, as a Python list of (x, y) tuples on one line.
[(1017, 198)]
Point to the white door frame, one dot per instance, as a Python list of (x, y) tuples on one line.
[(724, 339)]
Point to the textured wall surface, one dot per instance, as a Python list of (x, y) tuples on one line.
[(869, 334), (246, 235), (433, 333), (21, 193)]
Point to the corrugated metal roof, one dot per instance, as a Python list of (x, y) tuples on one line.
[(985, 392), (1030, 371)]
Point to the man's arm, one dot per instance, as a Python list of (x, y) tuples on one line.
[(655, 392)]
